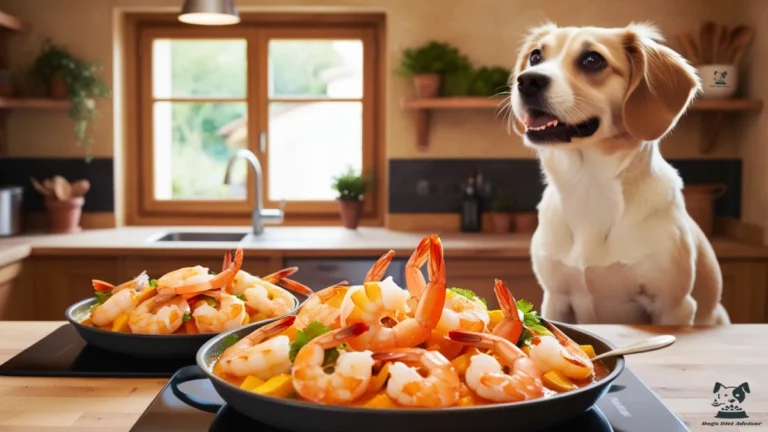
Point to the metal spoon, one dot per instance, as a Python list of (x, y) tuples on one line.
[(650, 344)]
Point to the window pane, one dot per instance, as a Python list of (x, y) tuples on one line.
[(199, 68), (192, 144), (309, 144), (316, 68)]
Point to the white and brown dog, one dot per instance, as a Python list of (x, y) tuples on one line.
[(614, 243)]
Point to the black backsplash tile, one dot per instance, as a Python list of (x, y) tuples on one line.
[(99, 171), (435, 185)]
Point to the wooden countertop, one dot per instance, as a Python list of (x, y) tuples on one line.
[(13, 252), (302, 241), (683, 375)]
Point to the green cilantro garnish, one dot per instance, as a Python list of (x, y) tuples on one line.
[(313, 330), (240, 296), (531, 320), (153, 283), (231, 340), (468, 294), (101, 297), (186, 317)]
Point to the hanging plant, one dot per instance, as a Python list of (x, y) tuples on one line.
[(67, 76)]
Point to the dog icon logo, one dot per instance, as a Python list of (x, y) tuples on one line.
[(729, 400), (719, 78)]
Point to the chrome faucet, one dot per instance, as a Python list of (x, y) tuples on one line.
[(260, 214)]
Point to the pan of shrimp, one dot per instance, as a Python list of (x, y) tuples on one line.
[(175, 314), (378, 357)]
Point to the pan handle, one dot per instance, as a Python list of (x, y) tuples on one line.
[(192, 373)]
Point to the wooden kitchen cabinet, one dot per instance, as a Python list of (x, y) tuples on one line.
[(12, 296), (479, 274), (744, 290)]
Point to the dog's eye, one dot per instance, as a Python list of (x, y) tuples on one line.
[(535, 57), (593, 61)]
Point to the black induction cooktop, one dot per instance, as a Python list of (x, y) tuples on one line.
[(630, 406), (64, 353)]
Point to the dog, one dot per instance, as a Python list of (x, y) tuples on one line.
[(614, 242), (729, 400)]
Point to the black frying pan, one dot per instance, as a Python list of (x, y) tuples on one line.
[(142, 345), (302, 416)]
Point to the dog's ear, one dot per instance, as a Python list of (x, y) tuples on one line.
[(661, 86), (740, 392), (718, 386)]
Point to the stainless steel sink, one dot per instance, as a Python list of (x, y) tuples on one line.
[(200, 237)]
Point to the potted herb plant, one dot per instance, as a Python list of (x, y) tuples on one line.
[(502, 209), (351, 187), (68, 77), (427, 64)]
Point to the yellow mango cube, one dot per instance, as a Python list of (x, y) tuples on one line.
[(146, 294), (527, 350), (277, 386), (381, 400), (555, 380), (290, 332), (589, 350), (246, 319), (377, 382), (120, 324), (496, 316), (258, 316), (251, 382), (466, 401), (461, 363)]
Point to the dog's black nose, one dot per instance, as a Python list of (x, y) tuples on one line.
[(530, 84)]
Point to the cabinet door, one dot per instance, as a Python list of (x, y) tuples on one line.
[(744, 290), (59, 282), (479, 275)]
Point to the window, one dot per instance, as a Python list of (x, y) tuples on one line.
[(303, 94)]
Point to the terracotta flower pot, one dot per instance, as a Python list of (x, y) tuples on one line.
[(526, 222), (426, 85), (57, 88), (501, 222), (351, 212), (64, 216)]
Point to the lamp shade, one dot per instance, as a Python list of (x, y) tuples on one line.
[(209, 12)]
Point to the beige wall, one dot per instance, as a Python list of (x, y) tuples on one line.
[(753, 129), (487, 30)]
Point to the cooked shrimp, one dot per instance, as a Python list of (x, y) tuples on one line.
[(192, 280), (351, 374), (414, 278), (440, 388), (123, 300), (461, 313), (486, 377), (369, 304), (511, 326), (560, 353), (264, 296), (162, 314), (227, 315), (258, 355), (323, 307)]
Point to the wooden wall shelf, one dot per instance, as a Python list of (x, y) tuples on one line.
[(713, 113), (33, 103)]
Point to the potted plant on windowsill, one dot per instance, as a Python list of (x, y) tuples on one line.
[(427, 64), (68, 77), (526, 221), (351, 187), (502, 209)]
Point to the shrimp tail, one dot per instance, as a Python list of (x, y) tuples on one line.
[(337, 337), (296, 287), (376, 273), (414, 279), (101, 286), (504, 348), (572, 351), (278, 326), (471, 338), (280, 275), (398, 354), (227, 262), (511, 326), (431, 303)]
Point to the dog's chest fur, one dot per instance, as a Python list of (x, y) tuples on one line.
[(599, 243)]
